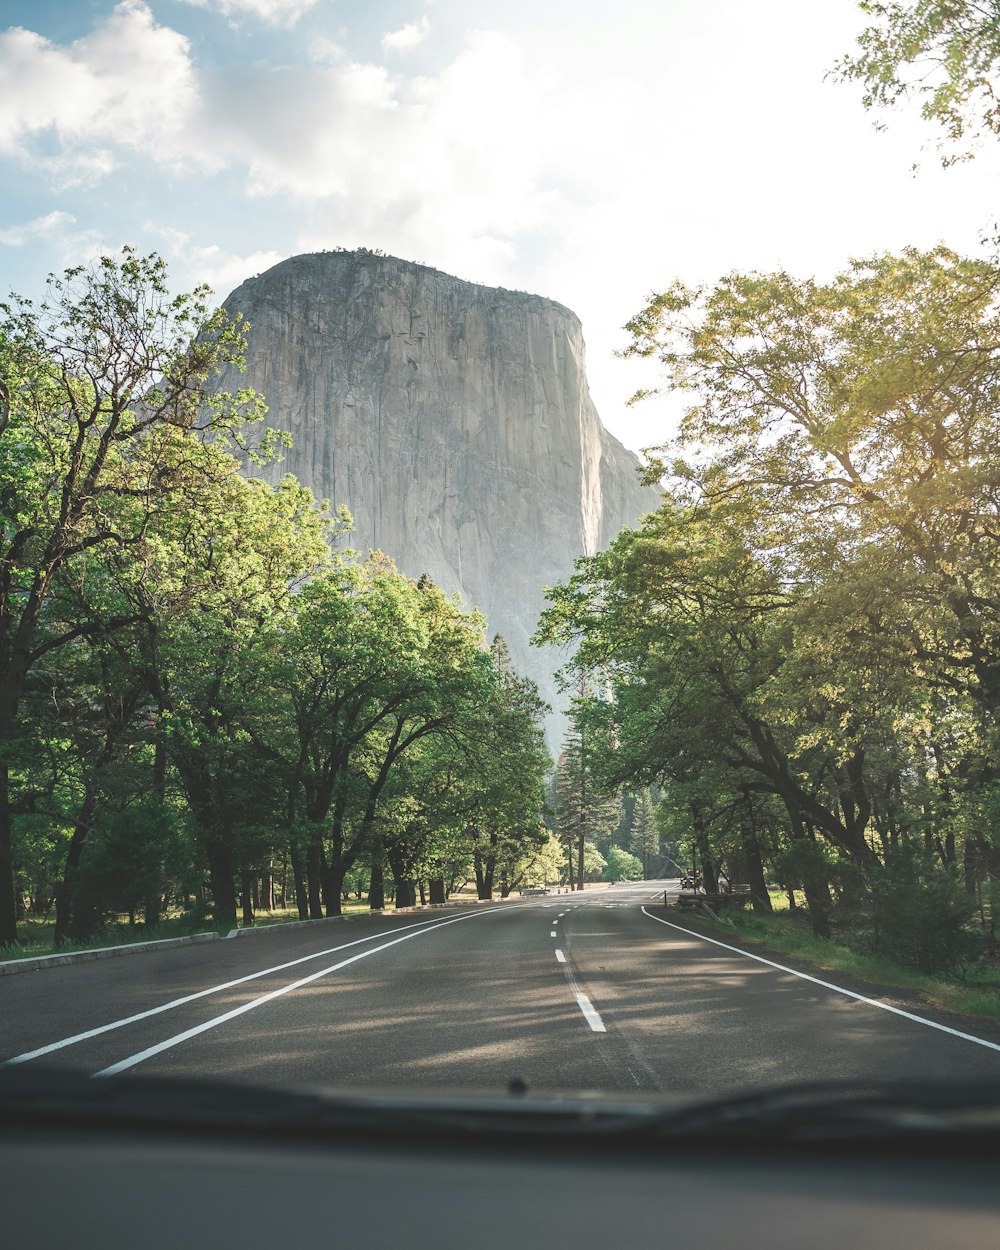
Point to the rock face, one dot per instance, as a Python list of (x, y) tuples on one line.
[(452, 419)]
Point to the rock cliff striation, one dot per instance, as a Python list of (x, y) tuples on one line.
[(452, 419)]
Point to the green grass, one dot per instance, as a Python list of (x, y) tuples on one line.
[(975, 994), (36, 935)]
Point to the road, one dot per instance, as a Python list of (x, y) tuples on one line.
[(601, 990)]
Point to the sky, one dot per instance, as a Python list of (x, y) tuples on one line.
[(589, 152)]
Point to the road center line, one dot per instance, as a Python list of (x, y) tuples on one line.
[(216, 989), (560, 957), (827, 985), (590, 1013), (553, 934), (124, 1064)]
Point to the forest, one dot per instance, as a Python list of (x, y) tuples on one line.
[(799, 648), (209, 704)]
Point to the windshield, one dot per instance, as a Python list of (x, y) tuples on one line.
[(388, 702)]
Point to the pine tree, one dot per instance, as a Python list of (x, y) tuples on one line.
[(645, 836), (584, 812)]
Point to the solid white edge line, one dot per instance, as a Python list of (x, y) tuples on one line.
[(827, 985), (560, 957), (215, 989), (124, 1064), (590, 1013)]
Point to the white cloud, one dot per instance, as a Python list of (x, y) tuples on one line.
[(51, 223), (61, 241), (457, 168), (277, 12), (130, 83), (407, 37), (192, 264)]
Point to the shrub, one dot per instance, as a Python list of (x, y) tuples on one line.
[(921, 913)]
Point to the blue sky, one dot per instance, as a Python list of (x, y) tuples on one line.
[(585, 151)]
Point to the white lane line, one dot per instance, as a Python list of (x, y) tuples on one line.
[(553, 934), (589, 1012), (827, 985), (560, 957), (124, 1064), (215, 989)]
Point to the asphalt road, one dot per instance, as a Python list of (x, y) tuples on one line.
[(602, 990)]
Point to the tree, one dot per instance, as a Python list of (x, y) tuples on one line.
[(374, 664), (587, 808), (97, 383), (621, 866), (645, 840), (505, 761), (943, 53), (856, 418), (811, 618)]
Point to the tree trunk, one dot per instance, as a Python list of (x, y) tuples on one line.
[(151, 909), (436, 888), (754, 868), (485, 868), (246, 898), (66, 888), (8, 911), (314, 878), (299, 879), (376, 887), (406, 894), (221, 871), (334, 889)]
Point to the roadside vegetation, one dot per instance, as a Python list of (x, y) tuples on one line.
[(209, 706)]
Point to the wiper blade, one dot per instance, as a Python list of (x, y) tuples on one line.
[(834, 1111), (901, 1113), (39, 1095)]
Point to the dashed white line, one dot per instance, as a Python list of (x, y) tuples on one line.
[(553, 934), (827, 985), (560, 957), (590, 1013)]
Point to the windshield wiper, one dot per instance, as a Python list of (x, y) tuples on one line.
[(830, 1114)]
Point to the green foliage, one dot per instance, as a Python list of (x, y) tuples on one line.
[(594, 863), (921, 913), (943, 53), (194, 683), (799, 648), (621, 866), (134, 855)]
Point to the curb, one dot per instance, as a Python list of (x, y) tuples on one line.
[(12, 966), (282, 925), (364, 915)]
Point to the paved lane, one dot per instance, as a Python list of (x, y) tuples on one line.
[(570, 991)]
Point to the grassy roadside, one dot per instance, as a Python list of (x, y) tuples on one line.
[(785, 932), (36, 935)]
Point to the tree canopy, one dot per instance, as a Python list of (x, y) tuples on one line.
[(196, 680)]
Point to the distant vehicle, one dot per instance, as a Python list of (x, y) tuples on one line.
[(535, 889), (689, 882)]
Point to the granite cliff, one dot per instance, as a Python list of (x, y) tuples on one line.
[(452, 419)]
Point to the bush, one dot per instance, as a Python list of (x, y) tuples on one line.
[(622, 866), (921, 914)]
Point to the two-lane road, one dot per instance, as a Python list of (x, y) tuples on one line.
[(600, 990)]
